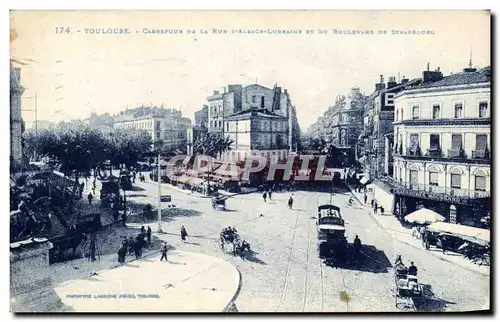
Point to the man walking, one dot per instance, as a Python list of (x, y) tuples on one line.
[(148, 234), (264, 196), (269, 193), (164, 251), (183, 233), (365, 197), (90, 197), (290, 202)]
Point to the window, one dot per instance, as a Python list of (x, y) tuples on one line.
[(211, 123), (481, 142), (436, 109), (157, 135), (227, 126), (158, 125), (458, 110), (414, 144), (480, 183), (416, 112), (433, 179), (413, 176), (483, 109), (254, 98), (456, 141), (402, 118), (397, 115), (262, 102), (220, 123), (456, 180), (434, 142)]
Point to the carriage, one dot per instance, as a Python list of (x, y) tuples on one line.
[(219, 201), (407, 287), (331, 232)]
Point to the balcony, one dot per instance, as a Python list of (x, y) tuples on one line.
[(434, 153), (481, 154), (414, 152), (456, 153), (455, 195)]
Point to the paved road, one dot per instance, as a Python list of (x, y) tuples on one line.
[(287, 275)]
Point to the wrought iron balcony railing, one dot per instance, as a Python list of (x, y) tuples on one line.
[(480, 154), (456, 153), (437, 153)]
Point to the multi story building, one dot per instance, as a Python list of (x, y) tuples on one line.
[(16, 90), (164, 125), (238, 111), (376, 139), (342, 123), (201, 117), (442, 145)]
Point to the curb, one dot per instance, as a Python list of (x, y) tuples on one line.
[(235, 296), (405, 242)]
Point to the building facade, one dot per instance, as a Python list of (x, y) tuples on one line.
[(257, 132), (442, 144), (228, 109), (164, 125), (16, 90), (201, 117)]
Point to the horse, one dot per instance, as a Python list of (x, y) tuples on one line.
[(229, 238)]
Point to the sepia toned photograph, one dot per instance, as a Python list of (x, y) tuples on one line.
[(251, 161)]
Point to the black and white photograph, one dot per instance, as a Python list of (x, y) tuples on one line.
[(250, 161)]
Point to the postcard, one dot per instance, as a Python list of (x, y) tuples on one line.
[(250, 161)]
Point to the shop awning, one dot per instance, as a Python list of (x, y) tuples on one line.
[(472, 234), (424, 216)]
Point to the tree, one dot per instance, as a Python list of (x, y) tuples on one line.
[(212, 145), (126, 147)]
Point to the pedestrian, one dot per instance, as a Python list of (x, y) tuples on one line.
[(131, 246), (264, 196), (183, 233), (290, 202), (164, 251), (373, 203), (425, 240), (269, 193), (125, 244), (382, 210), (82, 186), (90, 197), (412, 270), (143, 230), (138, 246), (148, 234), (122, 251), (124, 219), (365, 197)]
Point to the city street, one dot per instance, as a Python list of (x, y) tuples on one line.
[(286, 274)]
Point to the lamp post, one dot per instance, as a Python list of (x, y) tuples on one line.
[(158, 177)]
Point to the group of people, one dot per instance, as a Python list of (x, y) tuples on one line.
[(134, 246)]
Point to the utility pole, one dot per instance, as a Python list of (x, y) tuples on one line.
[(160, 230)]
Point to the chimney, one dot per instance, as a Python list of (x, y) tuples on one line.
[(392, 82), (431, 76), (381, 85), (404, 80)]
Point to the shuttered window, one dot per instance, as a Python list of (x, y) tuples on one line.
[(456, 180), (433, 178), (480, 183), (481, 141), (456, 141), (413, 176)]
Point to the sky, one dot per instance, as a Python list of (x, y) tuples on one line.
[(75, 74)]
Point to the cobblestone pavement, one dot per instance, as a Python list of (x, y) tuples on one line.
[(286, 273)]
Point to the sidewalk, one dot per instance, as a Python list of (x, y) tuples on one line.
[(187, 282), (397, 231)]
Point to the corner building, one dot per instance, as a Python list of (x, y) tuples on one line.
[(442, 146)]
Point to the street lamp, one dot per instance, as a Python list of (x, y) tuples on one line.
[(158, 177)]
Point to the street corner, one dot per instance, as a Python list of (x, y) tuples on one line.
[(186, 282)]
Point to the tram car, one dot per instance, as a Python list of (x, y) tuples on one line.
[(331, 232)]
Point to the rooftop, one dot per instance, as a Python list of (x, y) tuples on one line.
[(253, 112), (482, 75)]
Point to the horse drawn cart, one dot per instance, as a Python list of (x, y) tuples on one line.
[(219, 201), (407, 288)]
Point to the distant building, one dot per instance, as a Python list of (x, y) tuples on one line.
[(442, 145), (163, 124), (201, 117), (257, 131), (231, 110), (16, 90), (100, 120)]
